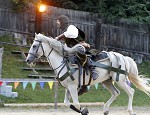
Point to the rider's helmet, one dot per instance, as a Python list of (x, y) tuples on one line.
[(64, 21)]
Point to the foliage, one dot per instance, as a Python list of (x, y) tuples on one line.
[(91, 6), (21, 5), (135, 10), (139, 11), (61, 3)]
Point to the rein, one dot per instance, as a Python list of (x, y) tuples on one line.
[(63, 63), (35, 55)]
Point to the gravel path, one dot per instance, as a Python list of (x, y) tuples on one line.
[(66, 111)]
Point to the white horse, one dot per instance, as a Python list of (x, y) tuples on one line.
[(52, 49)]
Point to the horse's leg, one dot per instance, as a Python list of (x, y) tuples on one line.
[(74, 94), (130, 91), (76, 106), (114, 93), (67, 97)]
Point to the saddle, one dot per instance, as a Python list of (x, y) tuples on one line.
[(80, 60), (93, 54), (97, 55)]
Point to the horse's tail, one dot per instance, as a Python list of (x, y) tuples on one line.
[(138, 80)]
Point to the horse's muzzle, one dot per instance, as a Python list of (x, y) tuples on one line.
[(28, 61)]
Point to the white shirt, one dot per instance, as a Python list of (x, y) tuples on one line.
[(71, 32)]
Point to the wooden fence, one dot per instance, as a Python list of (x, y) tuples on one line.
[(82, 20), (128, 38), (13, 21), (122, 36)]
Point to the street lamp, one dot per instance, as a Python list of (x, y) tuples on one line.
[(42, 8), (38, 17)]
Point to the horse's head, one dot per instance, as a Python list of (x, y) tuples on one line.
[(36, 49)]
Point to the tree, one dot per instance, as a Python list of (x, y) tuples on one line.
[(134, 10), (20, 5)]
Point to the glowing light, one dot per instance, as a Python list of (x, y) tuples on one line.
[(42, 8)]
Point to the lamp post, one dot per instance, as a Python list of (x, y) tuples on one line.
[(42, 8), (38, 17)]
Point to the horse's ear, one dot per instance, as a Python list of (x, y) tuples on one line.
[(35, 34)]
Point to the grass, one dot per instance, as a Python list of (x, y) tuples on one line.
[(144, 69), (12, 65)]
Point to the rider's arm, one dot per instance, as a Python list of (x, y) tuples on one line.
[(60, 37)]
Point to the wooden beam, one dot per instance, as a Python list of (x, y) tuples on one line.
[(14, 44), (38, 69), (110, 47), (41, 76), (26, 80)]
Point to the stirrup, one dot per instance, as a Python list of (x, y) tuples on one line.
[(94, 75)]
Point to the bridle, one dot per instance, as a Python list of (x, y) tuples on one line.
[(35, 54), (63, 64)]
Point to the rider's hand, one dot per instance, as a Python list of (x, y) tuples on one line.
[(56, 38), (85, 44)]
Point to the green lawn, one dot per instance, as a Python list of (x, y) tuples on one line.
[(12, 65)]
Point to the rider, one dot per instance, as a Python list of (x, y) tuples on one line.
[(72, 36)]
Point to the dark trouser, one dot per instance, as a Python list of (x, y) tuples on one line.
[(84, 60), (93, 71)]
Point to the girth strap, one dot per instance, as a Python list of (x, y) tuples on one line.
[(109, 68), (117, 77), (68, 73)]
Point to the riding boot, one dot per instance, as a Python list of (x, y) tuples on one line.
[(85, 60), (92, 68)]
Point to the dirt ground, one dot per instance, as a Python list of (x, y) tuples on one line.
[(66, 111)]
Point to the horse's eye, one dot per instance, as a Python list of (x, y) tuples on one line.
[(34, 46)]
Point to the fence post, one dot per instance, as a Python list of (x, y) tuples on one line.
[(55, 95), (1, 53), (98, 34)]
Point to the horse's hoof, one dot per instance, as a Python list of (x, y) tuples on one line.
[(106, 113), (85, 111)]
